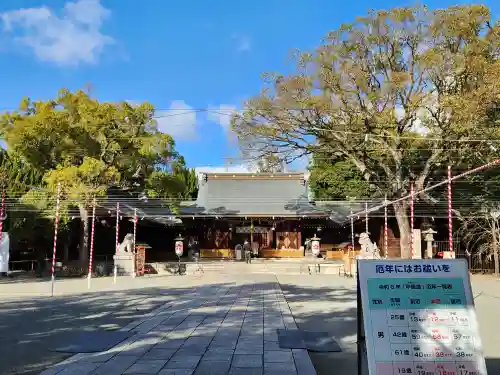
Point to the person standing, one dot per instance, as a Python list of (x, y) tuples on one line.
[(247, 249)]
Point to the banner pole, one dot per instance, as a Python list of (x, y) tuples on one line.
[(115, 268), (54, 248), (92, 236)]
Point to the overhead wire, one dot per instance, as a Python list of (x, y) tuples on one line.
[(184, 111), (113, 198), (222, 112)]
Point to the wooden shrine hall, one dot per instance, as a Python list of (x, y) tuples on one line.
[(275, 212)]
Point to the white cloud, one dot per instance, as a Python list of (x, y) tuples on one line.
[(222, 115), (179, 121), (68, 39)]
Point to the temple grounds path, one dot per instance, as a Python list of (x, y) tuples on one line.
[(248, 308)]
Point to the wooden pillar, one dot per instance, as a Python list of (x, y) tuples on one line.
[(299, 235), (251, 232)]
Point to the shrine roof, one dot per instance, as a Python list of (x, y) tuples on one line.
[(257, 194), (340, 210), (151, 209), (236, 195)]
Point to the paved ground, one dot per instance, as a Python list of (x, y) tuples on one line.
[(487, 299), (30, 322), (326, 304), (204, 327), (332, 308), (246, 310)]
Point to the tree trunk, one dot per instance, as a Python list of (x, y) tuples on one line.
[(401, 212), (83, 256)]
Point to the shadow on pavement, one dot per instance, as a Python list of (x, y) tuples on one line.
[(327, 309), (190, 325), (28, 327)]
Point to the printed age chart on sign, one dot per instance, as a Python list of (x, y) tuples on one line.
[(419, 318)]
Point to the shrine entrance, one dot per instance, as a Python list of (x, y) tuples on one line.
[(260, 235)]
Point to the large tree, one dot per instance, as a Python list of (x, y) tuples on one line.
[(188, 179), (337, 180), (88, 146), (397, 93), (29, 223)]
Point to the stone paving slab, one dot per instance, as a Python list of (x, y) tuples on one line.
[(219, 331)]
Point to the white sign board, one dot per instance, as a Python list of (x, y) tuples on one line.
[(419, 318), (179, 248), (4, 253), (315, 247), (248, 229)]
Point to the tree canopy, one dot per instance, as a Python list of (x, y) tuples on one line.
[(397, 93), (89, 146), (337, 180)]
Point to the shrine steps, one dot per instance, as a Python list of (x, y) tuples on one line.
[(281, 267)]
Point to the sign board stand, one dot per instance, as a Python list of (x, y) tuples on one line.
[(417, 317), (361, 339)]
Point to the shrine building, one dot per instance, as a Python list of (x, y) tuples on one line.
[(275, 212)]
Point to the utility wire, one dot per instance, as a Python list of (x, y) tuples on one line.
[(183, 111)]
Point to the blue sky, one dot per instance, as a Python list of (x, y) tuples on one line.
[(177, 55)]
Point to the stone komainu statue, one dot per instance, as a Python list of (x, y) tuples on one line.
[(127, 244), (369, 250)]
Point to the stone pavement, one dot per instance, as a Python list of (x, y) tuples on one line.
[(326, 304), (223, 330), (486, 291), (30, 325), (332, 308)]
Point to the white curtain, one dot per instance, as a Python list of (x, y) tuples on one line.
[(4, 252)]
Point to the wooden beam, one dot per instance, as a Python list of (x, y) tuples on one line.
[(256, 176)]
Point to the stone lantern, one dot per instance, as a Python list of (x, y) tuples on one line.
[(429, 238)]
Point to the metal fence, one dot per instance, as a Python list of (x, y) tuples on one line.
[(478, 263), (103, 265)]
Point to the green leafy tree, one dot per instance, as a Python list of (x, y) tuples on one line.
[(16, 176), (391, 92), (190, 181), (178, 184), (25, 223), (88, 146), (337, 180)]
